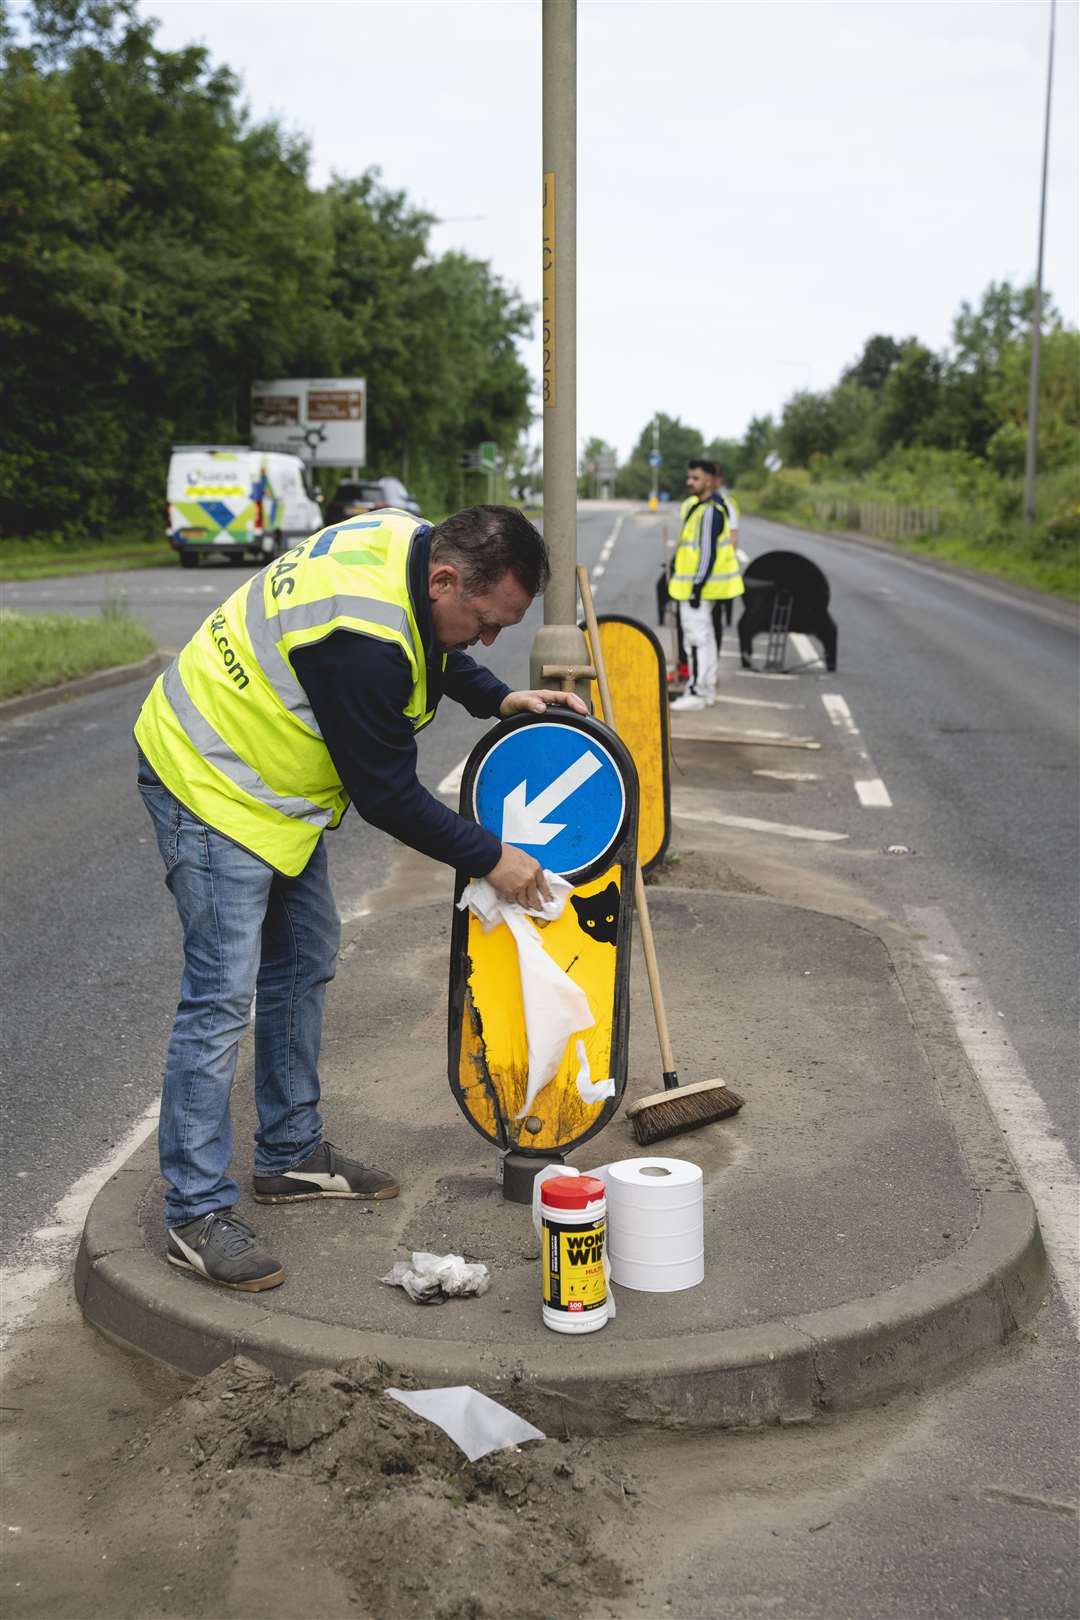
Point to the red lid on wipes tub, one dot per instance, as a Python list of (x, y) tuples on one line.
[(571, 1192)]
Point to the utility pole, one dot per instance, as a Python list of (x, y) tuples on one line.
[(654, 498), (559, 641), (1036, 323)]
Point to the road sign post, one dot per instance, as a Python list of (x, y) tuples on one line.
[(564, 788), (559, 641)]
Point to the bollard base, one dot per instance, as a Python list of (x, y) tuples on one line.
[(519, 1171)]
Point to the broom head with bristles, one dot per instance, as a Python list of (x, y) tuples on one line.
[(667, 1113)]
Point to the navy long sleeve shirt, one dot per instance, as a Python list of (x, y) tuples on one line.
[(358, 687)]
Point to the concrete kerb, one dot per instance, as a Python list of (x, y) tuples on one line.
[(99, 681), (788, 1370)]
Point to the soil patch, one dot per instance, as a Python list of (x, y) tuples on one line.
[(246, 1490), (699, 869)]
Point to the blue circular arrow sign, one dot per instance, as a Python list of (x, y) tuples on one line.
[(555, 791)]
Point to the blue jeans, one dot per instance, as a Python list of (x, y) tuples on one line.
[(248, 931)]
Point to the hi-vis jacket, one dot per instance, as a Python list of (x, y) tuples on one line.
[(229, 728), (705, 558)]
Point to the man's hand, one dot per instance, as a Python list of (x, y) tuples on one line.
[(518, 877), (539, 702)]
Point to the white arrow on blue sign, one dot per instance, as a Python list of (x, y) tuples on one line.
[(554, 791), (654, 458)]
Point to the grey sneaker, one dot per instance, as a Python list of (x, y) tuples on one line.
[(221, 1248), (326, 1174)]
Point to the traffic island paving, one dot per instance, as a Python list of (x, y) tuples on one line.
[(864, 1225)]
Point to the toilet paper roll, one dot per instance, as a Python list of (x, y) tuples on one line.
[(656, 1223)]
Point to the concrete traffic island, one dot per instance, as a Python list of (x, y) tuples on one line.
[(864, 1225)]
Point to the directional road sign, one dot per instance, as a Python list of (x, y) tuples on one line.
[(654, 458), (556, 791)]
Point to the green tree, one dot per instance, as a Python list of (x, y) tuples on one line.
[(595, 449), (880, 354), (159, 251)]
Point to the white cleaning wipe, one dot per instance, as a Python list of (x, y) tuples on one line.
[(555, 1007), (427, 1275), (589, 1090), (474, 1422)]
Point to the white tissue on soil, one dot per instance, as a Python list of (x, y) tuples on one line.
[(473, 1421)]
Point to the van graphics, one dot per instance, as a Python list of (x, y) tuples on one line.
[(574, 1266)]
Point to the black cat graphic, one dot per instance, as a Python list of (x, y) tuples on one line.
[(598, 915)]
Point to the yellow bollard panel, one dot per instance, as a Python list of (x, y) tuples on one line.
[(571, 774), (637, 675)]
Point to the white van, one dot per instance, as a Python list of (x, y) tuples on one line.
[(235, 502)]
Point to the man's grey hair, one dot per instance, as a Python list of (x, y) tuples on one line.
[(487, 542)]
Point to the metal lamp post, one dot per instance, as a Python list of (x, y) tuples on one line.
[(1036, 321), (559, 642)]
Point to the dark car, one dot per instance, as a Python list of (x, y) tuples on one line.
[(355, 496)]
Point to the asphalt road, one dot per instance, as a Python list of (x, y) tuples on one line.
[(961, 701), (964, 699)]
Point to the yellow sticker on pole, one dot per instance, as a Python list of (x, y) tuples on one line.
[(548, 309)]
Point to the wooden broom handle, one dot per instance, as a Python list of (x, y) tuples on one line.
[(640, 901)]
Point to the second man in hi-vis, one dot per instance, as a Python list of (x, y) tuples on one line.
[(705, 571)]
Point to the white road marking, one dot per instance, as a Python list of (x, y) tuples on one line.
[(1040, 1154), (788, 776), (753, 824), (758, 703), (451, 783), (873, 794), (598, 571), (871, 789), (838, 712), (805, 648), (51, 1244), (355, 913)]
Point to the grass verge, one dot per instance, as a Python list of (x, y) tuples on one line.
[(46, 558), (43, 649), (1008, 560)]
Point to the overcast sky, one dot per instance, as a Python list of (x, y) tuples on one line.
[(761, 186)]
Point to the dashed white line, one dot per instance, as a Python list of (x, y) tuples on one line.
[(1021, 1114), (872, 792), (805, 648)]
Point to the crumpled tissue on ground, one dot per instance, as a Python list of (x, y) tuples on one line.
[(473, 1421), (431, 1278), (555, 1007)]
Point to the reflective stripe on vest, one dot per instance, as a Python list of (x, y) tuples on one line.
[(217, 751), (229, 727), (265, 634)]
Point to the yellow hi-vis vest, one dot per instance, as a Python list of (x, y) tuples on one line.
[(725, 579), (229, 728)]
